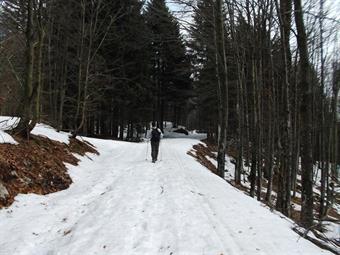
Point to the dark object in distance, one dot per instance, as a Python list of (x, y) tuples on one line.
[(201, 131), (181, 131), (134, 139)]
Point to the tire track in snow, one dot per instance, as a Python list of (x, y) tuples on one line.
[(221, 229), (208, 213)]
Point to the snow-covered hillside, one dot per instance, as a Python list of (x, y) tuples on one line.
[(122, 204)]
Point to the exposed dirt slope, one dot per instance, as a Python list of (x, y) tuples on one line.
[(37, 166)]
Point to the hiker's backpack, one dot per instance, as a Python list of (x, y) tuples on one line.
[(155, 135)]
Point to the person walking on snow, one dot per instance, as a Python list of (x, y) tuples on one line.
[(156, 135)]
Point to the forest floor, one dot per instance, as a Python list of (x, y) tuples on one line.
[(121, 203)]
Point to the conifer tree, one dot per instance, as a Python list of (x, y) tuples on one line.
[(170, 67), (203, 60)]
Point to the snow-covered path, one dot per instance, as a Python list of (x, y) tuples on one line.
[(122, 204)]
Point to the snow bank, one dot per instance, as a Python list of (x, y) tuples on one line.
[(51, 133), (8, 123), (5, 124), (6, 138)]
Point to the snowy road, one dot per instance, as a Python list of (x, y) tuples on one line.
[(121, 204)]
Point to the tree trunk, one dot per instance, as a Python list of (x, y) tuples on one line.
[(222, 85), (306, 119), (27, 123)]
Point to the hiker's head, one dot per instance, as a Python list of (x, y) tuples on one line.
[(153, 124)]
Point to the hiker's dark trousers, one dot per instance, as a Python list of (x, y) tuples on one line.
[(154, 150)]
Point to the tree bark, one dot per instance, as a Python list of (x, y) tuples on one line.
[(222, 85), (27, 123), (306, 119)]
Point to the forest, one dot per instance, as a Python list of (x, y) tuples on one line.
[(260, 77)]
